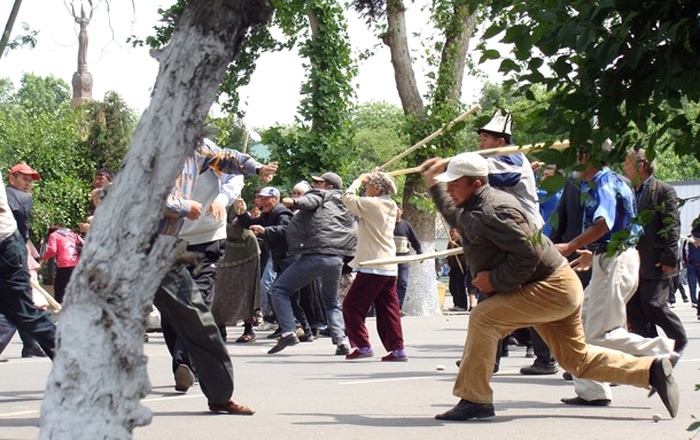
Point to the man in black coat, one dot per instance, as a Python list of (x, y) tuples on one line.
[(657, 205)]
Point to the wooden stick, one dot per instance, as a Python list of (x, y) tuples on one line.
[(409, 258), (50, 299), (443, 129), (560, 146)]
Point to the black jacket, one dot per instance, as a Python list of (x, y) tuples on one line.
[(659, 242), (323, 225), (275, 223)]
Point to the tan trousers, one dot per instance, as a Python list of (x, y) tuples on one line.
[(553, 307)]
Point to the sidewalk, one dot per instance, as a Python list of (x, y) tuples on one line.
[(305, 392)]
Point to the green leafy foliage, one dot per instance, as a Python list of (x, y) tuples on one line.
[(38, 126), (627, 68)]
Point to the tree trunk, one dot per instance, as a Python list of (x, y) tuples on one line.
[(421, 296), (99, 373), (396, 39), (8, 27)]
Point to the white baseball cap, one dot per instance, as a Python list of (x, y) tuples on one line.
[(465, 164)]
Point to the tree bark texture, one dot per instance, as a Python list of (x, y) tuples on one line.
[(421, 297), (99, 373), (397, 40)]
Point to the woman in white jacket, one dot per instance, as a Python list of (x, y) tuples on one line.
[(374, 284)]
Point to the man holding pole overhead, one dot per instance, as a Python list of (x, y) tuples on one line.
[(529, 284)]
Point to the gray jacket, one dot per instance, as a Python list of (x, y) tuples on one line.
[(498, 237), (322, 225)]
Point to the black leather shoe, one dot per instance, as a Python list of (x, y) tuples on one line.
[(583, 402), (33, 351), (284, 342), (537, 369), (567, 376), (466, 410), (661, 379)]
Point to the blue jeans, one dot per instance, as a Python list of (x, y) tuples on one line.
[(300, 273), (268, 277), (15, 298)]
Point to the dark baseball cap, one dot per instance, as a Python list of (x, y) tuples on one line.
[(330, 178)]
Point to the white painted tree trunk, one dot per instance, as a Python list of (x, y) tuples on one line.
[(99, 373), (422, 294)]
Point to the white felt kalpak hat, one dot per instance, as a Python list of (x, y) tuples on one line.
[(501, 123)]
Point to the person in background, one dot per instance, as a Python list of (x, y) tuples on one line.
[(238, 280), (65, 246), (15, 302), (657, 202), (608, 211), (20, 183), (405, 238), (321, 233), (691, 258), (103, 178), (458, 269)]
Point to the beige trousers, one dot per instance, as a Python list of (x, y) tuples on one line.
[(553, 307)]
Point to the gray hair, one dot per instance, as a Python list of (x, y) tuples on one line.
[(382, 181), (639, 156), (302, 186)]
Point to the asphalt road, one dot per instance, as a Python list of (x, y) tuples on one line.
[(305, 392)]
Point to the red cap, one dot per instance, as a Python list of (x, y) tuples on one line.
[(25, 169)]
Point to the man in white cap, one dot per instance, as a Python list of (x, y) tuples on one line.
[(529, 284)]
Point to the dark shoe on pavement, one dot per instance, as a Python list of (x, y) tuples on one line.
[(537, 369), (567, 376), (33, 351), (529, 352), (184, 378), (231, 407), (342, 349), (284, 342), (276, 334), (466, 410), (661, 379), (3, 359), (356, 354), (307, 337), (583, 402), (391, 357)]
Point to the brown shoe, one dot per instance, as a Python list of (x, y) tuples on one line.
[(231, 407)]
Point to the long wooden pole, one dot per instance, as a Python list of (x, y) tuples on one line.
[(50, 299), (560, 146), (442, 130), (409, 258)]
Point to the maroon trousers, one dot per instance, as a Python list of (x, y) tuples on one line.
[(380, 290)]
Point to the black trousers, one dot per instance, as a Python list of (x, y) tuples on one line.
[(648, 308), (15, 295)]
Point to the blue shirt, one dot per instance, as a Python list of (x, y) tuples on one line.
[(548, 204), (608, 196)]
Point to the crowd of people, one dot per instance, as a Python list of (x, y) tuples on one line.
[(547, 270)]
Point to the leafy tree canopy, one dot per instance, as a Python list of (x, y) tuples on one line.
[(628, 68), (66, 146)]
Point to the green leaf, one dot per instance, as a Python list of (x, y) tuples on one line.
[(489, 54)]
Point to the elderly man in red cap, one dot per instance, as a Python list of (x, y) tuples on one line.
[(15, 301)]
